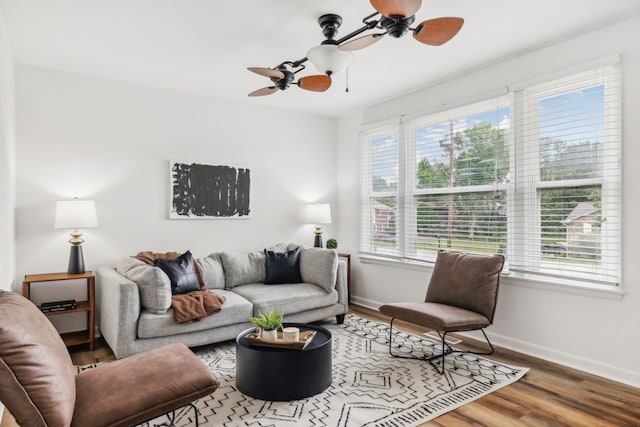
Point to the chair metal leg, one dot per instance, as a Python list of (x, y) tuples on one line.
[(171, 417), (427, 358), (446, 349)]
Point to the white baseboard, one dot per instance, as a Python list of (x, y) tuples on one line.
[(366, 303), (566, 359)]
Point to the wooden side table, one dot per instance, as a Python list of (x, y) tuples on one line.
[(348, 258), (72, 338)]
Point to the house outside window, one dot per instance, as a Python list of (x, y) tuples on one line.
[(534, 175)]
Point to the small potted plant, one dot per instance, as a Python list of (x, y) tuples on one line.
[(268, 324), (332, 244)]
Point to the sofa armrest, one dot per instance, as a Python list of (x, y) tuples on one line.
[(119, 310), (341, 283)]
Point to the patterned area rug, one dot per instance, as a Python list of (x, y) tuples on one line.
[(369, 387)]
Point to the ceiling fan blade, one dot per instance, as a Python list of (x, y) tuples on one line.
[(436, 32), (361, 42), (403, 8), (267, 72), (264, 91), (317, 83)]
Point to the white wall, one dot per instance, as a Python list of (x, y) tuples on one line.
[(587, 331), (7, 161), (112, 142)]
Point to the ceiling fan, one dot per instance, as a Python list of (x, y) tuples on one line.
[(395, 17), (282, 77)]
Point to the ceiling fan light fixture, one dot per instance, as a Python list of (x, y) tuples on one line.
[(328, 59)]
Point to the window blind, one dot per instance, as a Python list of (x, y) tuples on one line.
[(534, 175), (458, 162), (567, 192), (380, 184)]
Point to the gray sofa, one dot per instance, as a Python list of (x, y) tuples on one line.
[(135, 298)]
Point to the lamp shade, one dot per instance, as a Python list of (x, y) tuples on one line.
[(328, 59), (319, 213), (75, 214)]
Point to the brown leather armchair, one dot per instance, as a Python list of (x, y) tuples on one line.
[(462, 296), (39, 386)]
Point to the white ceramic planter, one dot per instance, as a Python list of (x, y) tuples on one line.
[(269, 335)]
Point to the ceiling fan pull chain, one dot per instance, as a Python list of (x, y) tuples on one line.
[(347, 80)]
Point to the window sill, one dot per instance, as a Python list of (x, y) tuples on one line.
[(516, 279), (557, 284)]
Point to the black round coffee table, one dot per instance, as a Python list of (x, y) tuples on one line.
[(281, 374)]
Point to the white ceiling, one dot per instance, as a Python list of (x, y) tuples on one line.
[(204, 46)]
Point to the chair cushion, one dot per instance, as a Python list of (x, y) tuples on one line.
[(37, 378), (466, 281), (129, 391), (436, 316)]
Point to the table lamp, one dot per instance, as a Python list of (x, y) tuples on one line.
[(76, 214), (318, 213)]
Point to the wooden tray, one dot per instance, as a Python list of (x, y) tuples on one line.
[(305, 338)]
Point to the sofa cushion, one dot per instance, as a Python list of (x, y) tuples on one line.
[(290, 298), (282, 267), (281, 247), (319, 266), (212, 271), (242, 268), (181, 272), (235, 310), (154, 286)]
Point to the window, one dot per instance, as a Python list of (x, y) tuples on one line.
[(380, 190), (534, 175)]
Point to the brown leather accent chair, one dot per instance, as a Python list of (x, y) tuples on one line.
[(462, 296), (39, 386)]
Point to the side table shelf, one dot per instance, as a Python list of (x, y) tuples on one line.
[(72, 338)]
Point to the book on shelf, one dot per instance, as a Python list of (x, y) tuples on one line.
[(58, 305)]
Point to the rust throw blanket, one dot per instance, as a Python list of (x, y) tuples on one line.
[(195, 305), (192, 306)]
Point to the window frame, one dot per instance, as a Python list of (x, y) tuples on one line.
[(522, 149)]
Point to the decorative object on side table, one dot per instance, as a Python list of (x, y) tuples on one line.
[(318, 213), (47, 307), (76, 214), (268, 324), (332, 244)]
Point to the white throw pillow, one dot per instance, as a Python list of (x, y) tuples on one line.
[(243, 268), (213, 271), (319, 266), (154, 285)]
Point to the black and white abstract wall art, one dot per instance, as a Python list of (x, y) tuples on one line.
[(208, 191)]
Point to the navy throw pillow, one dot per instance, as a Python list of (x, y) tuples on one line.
[(181, 272), (282, 267)]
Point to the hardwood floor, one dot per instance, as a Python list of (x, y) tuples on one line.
[(548, 395)]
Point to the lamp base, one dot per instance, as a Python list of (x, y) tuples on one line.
[(76, 260), (317, 241)]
